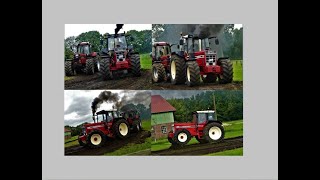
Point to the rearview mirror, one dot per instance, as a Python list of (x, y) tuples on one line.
[(216, 41)]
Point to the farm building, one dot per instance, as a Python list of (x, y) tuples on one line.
[(161, 116), (67, 133)]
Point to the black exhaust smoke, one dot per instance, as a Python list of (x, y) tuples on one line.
[(117, 29), (104, 96)]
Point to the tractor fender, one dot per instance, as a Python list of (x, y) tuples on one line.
[(220, 122), (179, 53)]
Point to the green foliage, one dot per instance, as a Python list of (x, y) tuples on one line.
[(92, 37), (145, 61), (233, 152), (237, 70), (146, 125), (229, 105), (141, 40), (145, 112)]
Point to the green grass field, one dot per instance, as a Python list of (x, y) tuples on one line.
[(233, 152), (146, 125), (237, 70), (131, 148), (232, 129), (73, 141), (145, 61)]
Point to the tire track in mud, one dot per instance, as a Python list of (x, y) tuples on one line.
[(202, 149)]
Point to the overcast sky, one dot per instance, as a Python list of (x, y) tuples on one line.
[(169, 94), (76, 29), (77, 104)]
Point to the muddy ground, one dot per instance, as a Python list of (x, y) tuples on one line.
[(90, 82), (202, 149), (111, 145)]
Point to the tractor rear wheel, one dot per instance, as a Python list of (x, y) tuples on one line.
[(213, 132), (193, 73), (89, 67), (210, 78), (158, 72), (121, 128), (136, 125), (135, 64), (177, 70), (227, 71), (96, 139), (105, 71), (96, 65), (201, 141), (182, 137), (68, 68)]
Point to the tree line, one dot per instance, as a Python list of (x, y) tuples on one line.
[(141, 41), (229, 105)]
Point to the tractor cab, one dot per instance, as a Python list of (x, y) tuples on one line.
[(131, 115), (204, 117), (106, 116), (83, 50), (116, 46), (161, 51)]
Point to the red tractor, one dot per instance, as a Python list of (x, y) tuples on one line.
[(84, 60), (195, 59), (204, 127), (161, 52), (118, 57), (112, 125)]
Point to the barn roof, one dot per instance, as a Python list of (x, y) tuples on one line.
[(159, 104), (67, 130)]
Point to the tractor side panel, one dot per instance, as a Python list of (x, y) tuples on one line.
[(191, 127)]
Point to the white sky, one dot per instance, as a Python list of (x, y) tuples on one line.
[(76, 29), (237, 26)]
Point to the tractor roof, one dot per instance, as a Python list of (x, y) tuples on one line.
[(84, 43), (161, 44), (208, 111), (106, 111), (114, 35)]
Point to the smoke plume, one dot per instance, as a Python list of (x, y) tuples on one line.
[(117, 29), (104, 96)]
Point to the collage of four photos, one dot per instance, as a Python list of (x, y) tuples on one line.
[(153, 90)]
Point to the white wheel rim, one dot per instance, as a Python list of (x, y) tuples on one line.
[(138, 128), (173, 70), (140, 124), (215, 133), (96, 139), (155, 73), (98, 65), (123, 129), (188, 74), (182, 137)]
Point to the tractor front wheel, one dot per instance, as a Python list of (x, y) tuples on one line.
[(135, 65), (213, 132), (193, 73), (69, 69), (227, 71), (96, 139), (89, 67), (105, 71), (177, 70), (137, 125), (158, 73), (121, 129), (182, 137)]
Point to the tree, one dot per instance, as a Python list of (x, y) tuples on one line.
[(92, 37)]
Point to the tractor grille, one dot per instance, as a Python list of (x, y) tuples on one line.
[(120, 56), (211, 59)]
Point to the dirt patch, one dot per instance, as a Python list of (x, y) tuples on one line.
[(110, 146), (202, 149), (237, 85), (89, 82)]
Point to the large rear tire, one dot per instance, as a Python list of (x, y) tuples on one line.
[(121, 129), (96, 65), (96, 139), (68, 68), (135, 65), (89, 67), (227, 71), (177, 70), (158, 72), (105, 72), (182, 137), (193, 73), (213, 132)]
